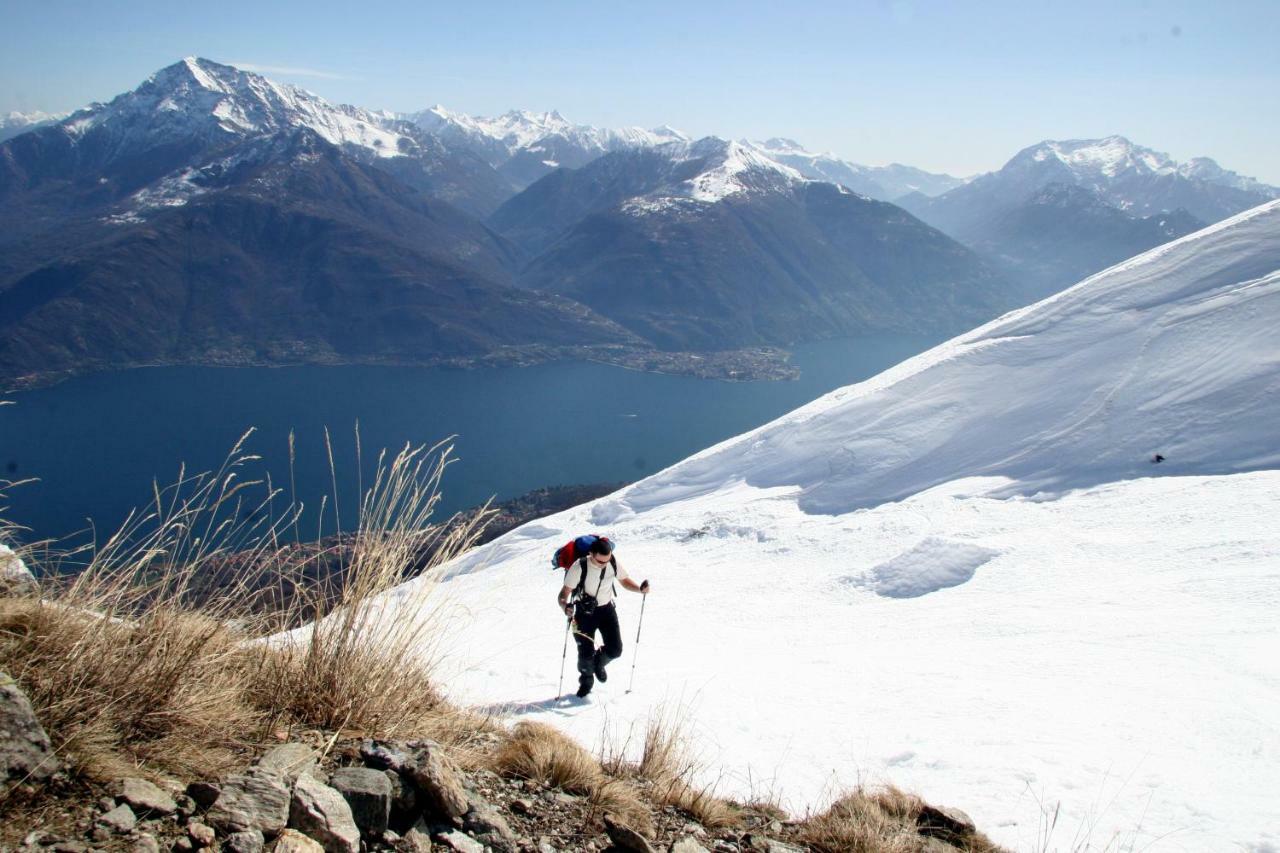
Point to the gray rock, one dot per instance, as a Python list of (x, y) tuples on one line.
[(292, 841), (484, 819), (389, 837), (16, 579), (404, 797), (183, 845), (121, 819), (25, 751), (624, 837), (323, 814), (417, 839), (945, 823), (563, 799), (688, 844), (201, 835), (146, 843), (368, 793), (386, 755), (248, 841), (204, 794), (545, 845), (442, 794), (770, 845), (254, 800), (522, 806), (70, 847), (145, 798), (459, 842), (290, 760)]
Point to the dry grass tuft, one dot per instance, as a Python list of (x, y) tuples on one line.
[(877, 820), (667, 765), (540, 752), (623, 801)]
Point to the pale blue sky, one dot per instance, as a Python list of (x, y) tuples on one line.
[(956, 87)]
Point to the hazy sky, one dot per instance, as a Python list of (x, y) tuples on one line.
[(948, 86)]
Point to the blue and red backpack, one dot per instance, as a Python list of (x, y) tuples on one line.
[(573, 550)]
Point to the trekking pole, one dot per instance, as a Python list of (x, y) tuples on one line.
[(564, 656), (636, 653)]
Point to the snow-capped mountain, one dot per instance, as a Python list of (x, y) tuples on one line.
[(525, 145), (194, 111), (711, 244), (1029, 573), (997, 214), (886, 183), (15, 122)]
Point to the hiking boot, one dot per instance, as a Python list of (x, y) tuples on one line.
[(585, 683), (599, 663)]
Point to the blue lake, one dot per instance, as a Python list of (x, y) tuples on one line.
[(96, 443)]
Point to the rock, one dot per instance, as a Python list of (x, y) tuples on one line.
[(385, 755), (16, 579), (322, 813), (522, 806), (459, 842), (70, 847), (688, 844), (624, 837), (145, 798), (100, 834), (545, 845), (368, 793), (290, 760), (25, 751), (121, 819), (146, 843), (201, 835), (404, 798), (442, 793), (945, 823), (770, 845), (106, 804), (417, 839), (183, 845), (248, 841), (204, 794), (563, 799), (292, 841), (764, 844), (695, 829), (484, 819), (389, 837), (253, 800)]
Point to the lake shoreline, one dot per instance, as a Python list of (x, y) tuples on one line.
[(749, 364)]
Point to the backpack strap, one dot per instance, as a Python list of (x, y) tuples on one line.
[(582, 578)]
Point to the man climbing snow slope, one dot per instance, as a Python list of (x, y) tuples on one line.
[(587, 599)]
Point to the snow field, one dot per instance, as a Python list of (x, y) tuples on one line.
[(1116, 654)]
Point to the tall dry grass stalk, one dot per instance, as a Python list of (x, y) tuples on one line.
[(147, 654), (366, 662)]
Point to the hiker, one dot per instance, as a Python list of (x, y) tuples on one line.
[(587, 599)]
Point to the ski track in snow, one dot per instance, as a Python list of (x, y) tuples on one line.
[(963, 576)]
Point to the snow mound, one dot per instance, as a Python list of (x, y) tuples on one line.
[(932, 565)]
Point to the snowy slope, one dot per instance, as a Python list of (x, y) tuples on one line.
[(963, 576), (886, 183)]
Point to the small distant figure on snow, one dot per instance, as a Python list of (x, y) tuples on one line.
[(1157, 459)]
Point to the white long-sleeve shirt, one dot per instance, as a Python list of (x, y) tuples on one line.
[(598, 578)]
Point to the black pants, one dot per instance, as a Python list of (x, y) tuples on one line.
[(604, 620)]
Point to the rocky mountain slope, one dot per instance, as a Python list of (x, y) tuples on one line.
[(712, 245)]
